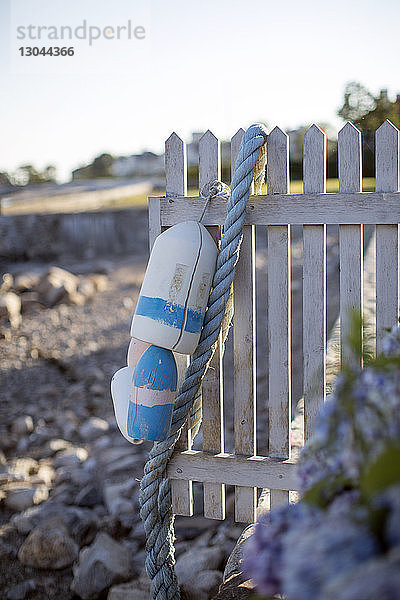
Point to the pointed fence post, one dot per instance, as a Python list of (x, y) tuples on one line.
[(350, 240), (387, 236), (244, 340), (176, 185), (212, 387), (279, 330), (314, 282)]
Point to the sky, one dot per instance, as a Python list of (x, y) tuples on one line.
[(214, 64)]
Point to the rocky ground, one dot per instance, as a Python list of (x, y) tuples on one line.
[(69, 515)]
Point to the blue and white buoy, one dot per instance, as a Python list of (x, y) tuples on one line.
[(168, 317)]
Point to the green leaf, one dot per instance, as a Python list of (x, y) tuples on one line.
[(382, 473), (322, 493)]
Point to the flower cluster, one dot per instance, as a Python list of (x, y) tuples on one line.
[(342, 540)]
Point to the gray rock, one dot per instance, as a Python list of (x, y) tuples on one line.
[(114, 454), (139, 589), (21, 468), (57, 285), (99, 281), (118, 497), (22, 445), (21, 590), (44, 475), (89, 496), (70, 457), (30, 518), (100, 565), (86, 287), (203, 585), (6, 282), (81, 523), (48, 546), (57, 445), (123, 465), (93, 428), (98, 389), (10, 306), (26, 281), (22, 425), (30, 300), (234, 563), (76, 475), (6, 550), (20, 498), (189, 565)]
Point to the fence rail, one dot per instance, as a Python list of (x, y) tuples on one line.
[(350, 208)]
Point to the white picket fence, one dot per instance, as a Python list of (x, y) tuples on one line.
[(314, 209)]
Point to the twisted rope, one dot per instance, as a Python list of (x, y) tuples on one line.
[(155, 489)]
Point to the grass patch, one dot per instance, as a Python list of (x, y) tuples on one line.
[(75, 204)]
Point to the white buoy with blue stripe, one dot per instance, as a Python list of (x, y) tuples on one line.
[(174, 294), (168, 317)]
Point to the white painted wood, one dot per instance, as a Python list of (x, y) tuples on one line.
[(175, 166), (314, 282), (262, 472), (387, 236), (350, 239), (176, 185), (295, 209), (154, 220), (279, 333), (244, 360), (212, 387), (278, 497)]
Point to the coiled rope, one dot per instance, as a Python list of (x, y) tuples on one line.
[(155, 488)]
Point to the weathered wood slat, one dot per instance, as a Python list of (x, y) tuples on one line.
[(233, 470), (176, 185), (387, 236), (212, 387), (279, 333), (154, 220), (244, 358), (314, 282), (350, 239), (295, 209)]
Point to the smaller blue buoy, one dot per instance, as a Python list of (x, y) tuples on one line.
[(144, 395), (152, 395)]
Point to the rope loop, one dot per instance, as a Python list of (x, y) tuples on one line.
[(213, 189), (155, 488)]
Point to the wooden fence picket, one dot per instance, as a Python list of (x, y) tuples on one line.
[(176, 185), (314, 282), (212, 387), (279, 333), (350, 240), (244, 357), (387, 236)]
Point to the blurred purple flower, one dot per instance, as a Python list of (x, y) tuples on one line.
[(391, 342), (314, 555), (376, 579), (263, 551)]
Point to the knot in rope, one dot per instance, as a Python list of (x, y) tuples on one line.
[(213, 189), (155, 488)]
